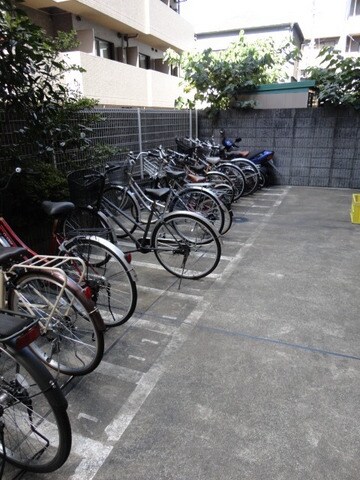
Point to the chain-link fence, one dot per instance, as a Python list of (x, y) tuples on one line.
[(125, 129)]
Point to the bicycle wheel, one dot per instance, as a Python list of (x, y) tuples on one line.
[(37, 433), (87, 221), (220, 179), (121, 210), (228, 214), (72, 339), (251, 173), (199, 200), (109, 278), (186, 245), (236, 176)]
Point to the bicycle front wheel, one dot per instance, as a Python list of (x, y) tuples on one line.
[(121, 209), (202, 201), (36, 434), (186, 245), (109, 278), (72, 339)]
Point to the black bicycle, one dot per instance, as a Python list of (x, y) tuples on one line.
[(184, 243)]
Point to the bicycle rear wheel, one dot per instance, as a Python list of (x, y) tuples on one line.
[(186, 245), (72, 339), (37, 432), (109, 278)]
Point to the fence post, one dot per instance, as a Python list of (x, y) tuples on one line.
[(190, 123), (140, 143), (197, 123)]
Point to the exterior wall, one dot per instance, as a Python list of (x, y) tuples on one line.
[(146, 27), (278, 100), (114, 83), (313, 146), (150, 19)]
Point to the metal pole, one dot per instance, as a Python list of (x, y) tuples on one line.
[(190, 122), (140, 143)]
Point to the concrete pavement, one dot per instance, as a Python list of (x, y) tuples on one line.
[(250, 374)]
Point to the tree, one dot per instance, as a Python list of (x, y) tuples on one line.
[(337, 78), (53, 118), (218, 78)]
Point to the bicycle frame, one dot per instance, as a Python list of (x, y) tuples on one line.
[(48, 263), (8, 237), (143, 201), (140, 244)]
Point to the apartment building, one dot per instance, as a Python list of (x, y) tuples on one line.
[(121, 47), (333, 24)]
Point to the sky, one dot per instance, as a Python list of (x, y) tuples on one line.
[(312, 15)]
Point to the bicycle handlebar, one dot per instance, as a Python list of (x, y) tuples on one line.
[(17, 171)]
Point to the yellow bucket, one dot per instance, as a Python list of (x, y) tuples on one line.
[(355, 208)]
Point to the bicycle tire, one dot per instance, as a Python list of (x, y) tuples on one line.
[(199, 200), (110, 281), (236, 176), (27, 387), (87, 221), (251, 173), (220, 178), (182, 236), (121, 209), (228, 216), (73, 342)]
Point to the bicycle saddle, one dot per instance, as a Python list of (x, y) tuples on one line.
[(54, 209)]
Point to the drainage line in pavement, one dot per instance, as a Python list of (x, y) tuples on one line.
[(278, 342)]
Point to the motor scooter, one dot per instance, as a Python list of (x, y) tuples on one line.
[(231, 151)]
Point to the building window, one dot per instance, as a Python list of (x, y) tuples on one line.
[(144, 61), (174, 71), (354, 8), (353, 44), (104, 49)]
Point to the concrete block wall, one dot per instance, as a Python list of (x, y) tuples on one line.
[(313, 146)]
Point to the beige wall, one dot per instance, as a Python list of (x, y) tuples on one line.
[(278, 100), (115, 83)]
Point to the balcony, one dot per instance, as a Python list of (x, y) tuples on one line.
[(151, 20), (118, 84)]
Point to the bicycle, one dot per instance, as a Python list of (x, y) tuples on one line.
[(110, 283), (35, 431), (197, 158), (72, 330), (193, 198), (189, 191), (184, 243)]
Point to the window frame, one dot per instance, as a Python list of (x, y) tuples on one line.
[(110, 48), (146, 59)]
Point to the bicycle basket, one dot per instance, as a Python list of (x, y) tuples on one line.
[(85, 186), (119, 175), (185, 145), (152, 166)]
